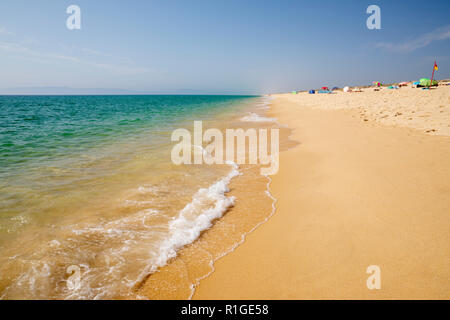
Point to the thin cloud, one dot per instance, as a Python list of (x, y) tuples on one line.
[(94, 52), (106, 55), (75, 50), (422, 41), (4, 31), (16, 48)]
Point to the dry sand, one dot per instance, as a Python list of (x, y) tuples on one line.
[(353, 193), (425, 110)]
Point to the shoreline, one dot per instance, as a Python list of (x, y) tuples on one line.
[(182, 275), (132, 217), (369, 194), (254, 205)]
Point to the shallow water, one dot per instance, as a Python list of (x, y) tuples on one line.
[(87, 185)]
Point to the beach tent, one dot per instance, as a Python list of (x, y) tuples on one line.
[(312, 91), (346, 89), (335, 88), (425, 82)]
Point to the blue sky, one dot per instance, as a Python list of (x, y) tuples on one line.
[(213, 46)]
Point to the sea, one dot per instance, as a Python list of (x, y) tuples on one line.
[(92, 207)]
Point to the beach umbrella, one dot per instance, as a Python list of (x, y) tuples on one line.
[(377, 83), (425, 82), (346, 89)]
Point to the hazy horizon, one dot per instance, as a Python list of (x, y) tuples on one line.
[(55, 90)]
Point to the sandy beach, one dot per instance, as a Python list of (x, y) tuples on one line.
[(368, 184), (225, 150)]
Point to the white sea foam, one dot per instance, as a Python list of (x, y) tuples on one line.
[(147, 189), (135, 203), (243, 237), (264, 105), (106, 274), (207, 205), (253, 117)]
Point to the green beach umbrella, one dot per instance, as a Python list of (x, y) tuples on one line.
[(425, 82)]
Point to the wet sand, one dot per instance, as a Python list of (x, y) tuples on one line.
[(196, 261), (358, 190)]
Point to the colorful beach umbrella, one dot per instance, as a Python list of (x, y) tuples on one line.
[(425, 82)]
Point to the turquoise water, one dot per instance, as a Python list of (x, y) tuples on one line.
[(73, 138), (88, 181), (44, 128)]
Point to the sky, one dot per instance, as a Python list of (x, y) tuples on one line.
[(218, 46)]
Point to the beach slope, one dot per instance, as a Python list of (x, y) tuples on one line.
[(355, 192)]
